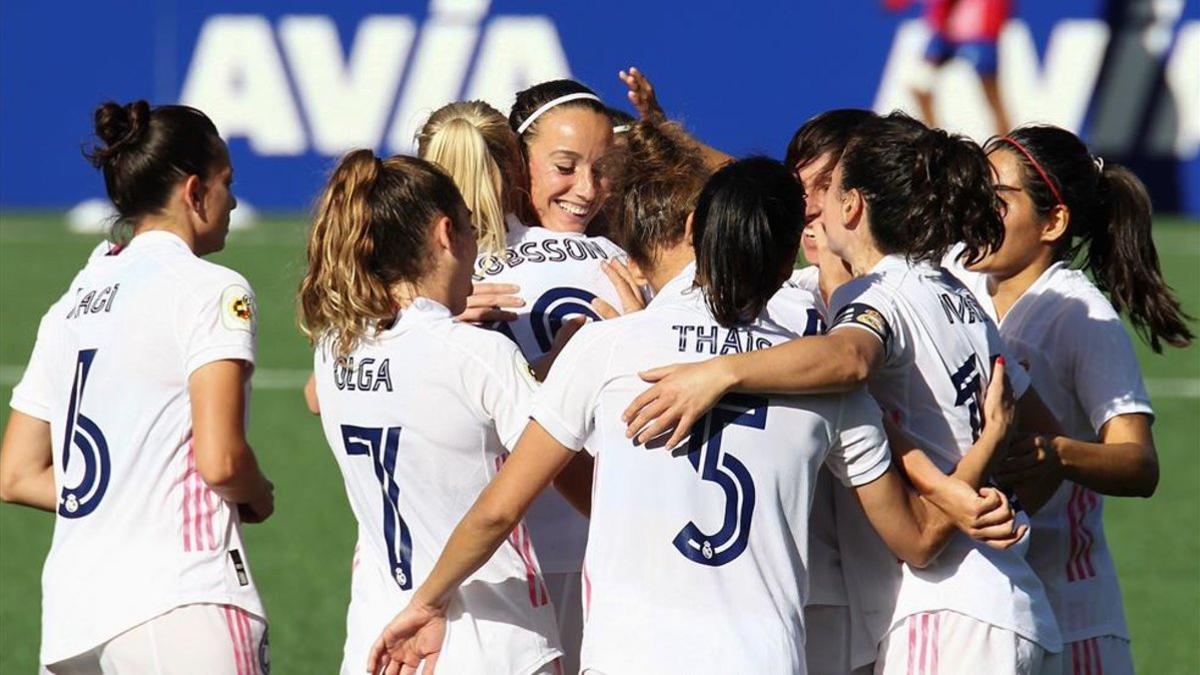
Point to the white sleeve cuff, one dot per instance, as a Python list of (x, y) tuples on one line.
[(229, 352), (555, 427), (1100, 415), (874, 471), (29, 407)]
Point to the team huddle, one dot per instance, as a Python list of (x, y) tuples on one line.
[(589, 417)]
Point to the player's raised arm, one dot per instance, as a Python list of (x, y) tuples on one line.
[(641, 95), (415, 634)]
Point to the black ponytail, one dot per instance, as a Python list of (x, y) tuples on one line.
[(925, 190), (746, 233), (1108, 231)]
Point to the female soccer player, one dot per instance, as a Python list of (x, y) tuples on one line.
[(554, 272), (901, 195), (1063, 205), (684, 577), (418, 408), (129, 423)]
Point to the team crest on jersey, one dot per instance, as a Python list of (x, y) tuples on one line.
[(866, 316), (238, 311)]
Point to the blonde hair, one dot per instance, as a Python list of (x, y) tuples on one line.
[(472, 141), (369, 239)]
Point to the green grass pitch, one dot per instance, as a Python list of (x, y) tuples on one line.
[(301, 558)]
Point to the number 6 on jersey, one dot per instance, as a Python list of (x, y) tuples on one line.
[(381, 445)]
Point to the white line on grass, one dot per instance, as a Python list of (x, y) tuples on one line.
[(292, 378)]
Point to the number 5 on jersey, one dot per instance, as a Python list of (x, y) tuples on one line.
[(719, 466), (381, 446)]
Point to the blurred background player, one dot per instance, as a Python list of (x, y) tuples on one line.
[(664, 595), (136, 438), (962, 29), (1065, 208), (418, 408)]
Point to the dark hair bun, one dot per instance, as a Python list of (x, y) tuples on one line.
[(119, 127)]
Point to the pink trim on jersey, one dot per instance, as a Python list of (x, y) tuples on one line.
[(1085, 657), (200, 506), (233, 639), (539, 595), (924, 630), (1079, 559)]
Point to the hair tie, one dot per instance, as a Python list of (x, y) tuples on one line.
[(621, 129), (1099, 162), (1041, 172), (578, 96)]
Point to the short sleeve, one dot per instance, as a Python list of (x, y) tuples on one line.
[(565, 406), (865, 308), (1107, 378), (33, 395), (223, 323), (508, 393), (860, 451)]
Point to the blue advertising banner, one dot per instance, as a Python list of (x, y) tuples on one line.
[(293, 83)]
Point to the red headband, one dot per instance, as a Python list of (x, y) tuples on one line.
[(1041, 172)]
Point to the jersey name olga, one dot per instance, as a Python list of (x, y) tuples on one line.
[(364, 375), (93, 301), (716, 340), (547, 250)]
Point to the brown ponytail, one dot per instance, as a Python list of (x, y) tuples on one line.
[(369, 237), (1108, 234), (925, 190)]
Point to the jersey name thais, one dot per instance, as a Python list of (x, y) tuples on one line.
[(697, 557)]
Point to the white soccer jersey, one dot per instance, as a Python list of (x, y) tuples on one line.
[(559, 274), (938, 349), (418, 418), (1071, 340), (137, 531), (697, 559)]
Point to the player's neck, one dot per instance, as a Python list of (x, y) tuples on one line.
[(863, 258), (1005, 290), (166, 223), (668, 266)]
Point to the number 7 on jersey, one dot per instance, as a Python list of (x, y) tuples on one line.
[(381, 445)]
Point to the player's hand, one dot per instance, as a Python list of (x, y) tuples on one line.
[(568, 329), (682, 393), (260, 508), (641, 95), (490, 302), (999, 405), (415, 635), (1033, 458), (628, 290), (984, 515)]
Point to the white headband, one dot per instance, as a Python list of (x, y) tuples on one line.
[(558, 101)]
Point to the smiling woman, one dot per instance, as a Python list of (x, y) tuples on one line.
[(564, 131)]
